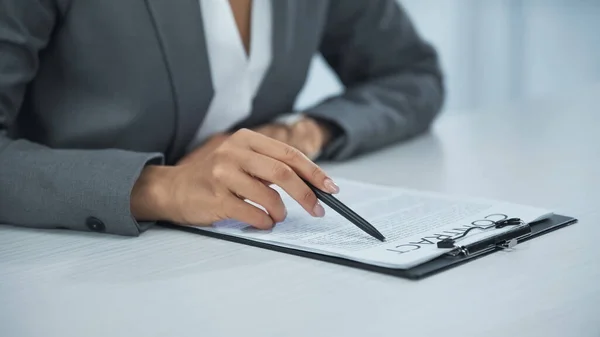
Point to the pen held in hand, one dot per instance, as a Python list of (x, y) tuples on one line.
[(346, 212)]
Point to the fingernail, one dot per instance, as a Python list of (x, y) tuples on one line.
[(269, 223), (331, 186), (319, 211)]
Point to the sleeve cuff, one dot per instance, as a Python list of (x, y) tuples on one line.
[(145, 225), (111, 210)]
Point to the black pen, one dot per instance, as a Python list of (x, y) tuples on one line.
[(346, 212)]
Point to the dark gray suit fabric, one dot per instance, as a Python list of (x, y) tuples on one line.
[(92, 91)]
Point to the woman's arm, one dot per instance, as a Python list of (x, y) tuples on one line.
[(394, 85), (41, 187)]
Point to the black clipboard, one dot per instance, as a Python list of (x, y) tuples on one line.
[(421, 271)]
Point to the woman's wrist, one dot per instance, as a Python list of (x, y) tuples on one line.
[(149, 196)]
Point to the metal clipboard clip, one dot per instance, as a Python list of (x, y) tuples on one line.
[(505, 240)]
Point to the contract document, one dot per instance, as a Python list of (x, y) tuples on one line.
[(412, 222)]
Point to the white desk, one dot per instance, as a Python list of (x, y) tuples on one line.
[(545, 154)]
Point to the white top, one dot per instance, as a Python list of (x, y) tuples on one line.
[(236, 75)]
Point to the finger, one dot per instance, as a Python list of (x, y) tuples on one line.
[(316, 135), (302, 145), (276, 131), (290, 156), (282, 133), (278, 173), (266, 183), (242, 211), (299, 138), (255, 190), (305, 138)]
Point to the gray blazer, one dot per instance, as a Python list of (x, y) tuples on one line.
[(92, 91)]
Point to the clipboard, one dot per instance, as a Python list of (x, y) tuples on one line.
[(509, 239)]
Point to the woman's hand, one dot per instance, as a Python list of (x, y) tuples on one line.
[(211, 184), (307, 135)]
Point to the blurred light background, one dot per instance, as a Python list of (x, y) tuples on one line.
[(497, 52)]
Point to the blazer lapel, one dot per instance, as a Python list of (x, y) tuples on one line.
[(180, 30), (282, 44), (284, 22)]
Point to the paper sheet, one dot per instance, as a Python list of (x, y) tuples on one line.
[(412, 222)]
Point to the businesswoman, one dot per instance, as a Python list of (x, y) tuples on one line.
[(117, 114)]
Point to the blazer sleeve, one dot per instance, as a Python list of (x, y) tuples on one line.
[(393, 82), (41, 187)]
